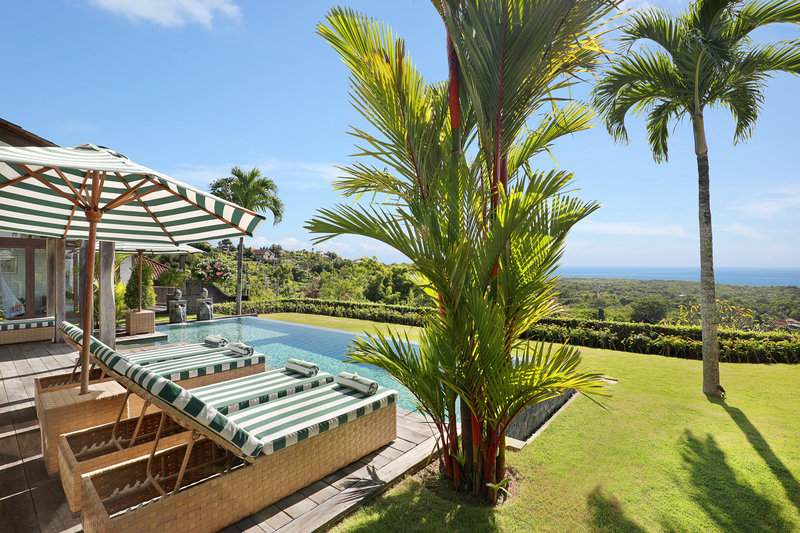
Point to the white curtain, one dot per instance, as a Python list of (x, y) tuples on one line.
[(11, 305)]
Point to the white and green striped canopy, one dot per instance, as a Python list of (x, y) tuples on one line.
[(44, 191)]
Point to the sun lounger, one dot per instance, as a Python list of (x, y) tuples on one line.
[(74, 336), (109, 444), (27, 330), (64, 410), (232, 465)]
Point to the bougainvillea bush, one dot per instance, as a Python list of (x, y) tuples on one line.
[(212, 269)]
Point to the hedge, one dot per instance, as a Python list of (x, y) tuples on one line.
[(670, 341), (395, 314)]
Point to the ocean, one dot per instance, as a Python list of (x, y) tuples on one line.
[(726, 275)]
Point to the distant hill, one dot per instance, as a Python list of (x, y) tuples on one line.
[(583, 297)]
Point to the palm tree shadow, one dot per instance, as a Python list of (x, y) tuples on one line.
[(733, 504), (762, 447), (415, 509), (607, 514)]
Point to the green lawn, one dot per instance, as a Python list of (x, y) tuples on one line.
[(662, 457), (348, 324)]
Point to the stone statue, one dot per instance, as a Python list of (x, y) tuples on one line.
[(178, 294), (205, 306), (177, 309)]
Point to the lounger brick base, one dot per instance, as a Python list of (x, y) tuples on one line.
[(224, 499), (66, 410), (27, 330), (91, 449)]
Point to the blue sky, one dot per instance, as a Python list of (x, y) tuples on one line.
[(193, 87)]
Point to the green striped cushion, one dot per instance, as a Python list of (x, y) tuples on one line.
[(292, 419), (179, 398), (172, 352), (192, 359), (72, 331), (235, 394), (27, 323), (201, 365)]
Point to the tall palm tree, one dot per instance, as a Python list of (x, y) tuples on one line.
[(484, 236), (252, 191), (701, 58)]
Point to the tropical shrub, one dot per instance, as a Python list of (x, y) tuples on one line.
[(171, 278), (132, 287), (650, 311), (728, 316), (484, 236), (212, 268)]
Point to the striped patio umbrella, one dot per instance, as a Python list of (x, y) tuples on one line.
[(89, 192)]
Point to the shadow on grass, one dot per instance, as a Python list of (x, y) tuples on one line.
[(608, 516), (762, 448), (734, 505), (414, 508)]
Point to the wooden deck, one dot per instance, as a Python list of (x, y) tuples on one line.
[(32, 501)]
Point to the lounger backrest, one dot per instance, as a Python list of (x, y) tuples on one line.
[(175, 400), (72, 331)]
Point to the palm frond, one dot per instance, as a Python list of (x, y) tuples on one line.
[(754, 15), (561, 121)]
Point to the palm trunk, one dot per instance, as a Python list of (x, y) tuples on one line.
[(455, 128), (239, 257), (708, 300)]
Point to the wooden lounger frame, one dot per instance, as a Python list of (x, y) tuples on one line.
[(202, 485)]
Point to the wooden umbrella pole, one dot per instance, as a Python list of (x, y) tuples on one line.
[(93, 216), (140, 280)]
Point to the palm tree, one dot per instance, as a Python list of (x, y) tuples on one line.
[(252, 191), (484, 236), (701, 58)]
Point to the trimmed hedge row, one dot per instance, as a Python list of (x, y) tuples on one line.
[(395, 314), (690, 332), (731, 349), (670, 341)]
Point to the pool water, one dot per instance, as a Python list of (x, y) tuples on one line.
[(281, 341)]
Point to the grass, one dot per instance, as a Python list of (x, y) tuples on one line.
[(660, 457), (347, 324)]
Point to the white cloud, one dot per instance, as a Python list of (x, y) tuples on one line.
[(199, 175), (171, 13), (632, 229), (349, 247), (299, 174), (745, 231), (771, 203), (290, 243), (288, 174)]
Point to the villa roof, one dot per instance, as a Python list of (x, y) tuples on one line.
[(158, 268), (13, 135)]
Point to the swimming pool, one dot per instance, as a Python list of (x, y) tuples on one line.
[(280, 341)]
